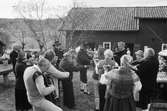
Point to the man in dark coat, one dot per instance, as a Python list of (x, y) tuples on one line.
[(120, 53), (83, 59), (147, 71), (58, 51)]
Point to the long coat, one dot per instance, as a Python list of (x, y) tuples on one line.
[(13, 57), (21, 100), (67, 84), (83, 57), (147, 72)]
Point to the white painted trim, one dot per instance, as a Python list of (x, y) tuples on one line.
[(164, 46), (107, 43)]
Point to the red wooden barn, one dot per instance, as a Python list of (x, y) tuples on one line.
[(137, 26)]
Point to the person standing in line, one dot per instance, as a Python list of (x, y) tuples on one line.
[(21, 101), (35, 87), (83, 59), (123, 84)]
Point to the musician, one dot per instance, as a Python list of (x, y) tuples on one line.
[(83, 59), (36, 90), (69, 63)]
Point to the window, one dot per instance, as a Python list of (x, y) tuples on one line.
[(164, 47), (107, 45)]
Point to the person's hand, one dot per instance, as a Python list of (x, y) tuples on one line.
[(86, 66), (67, 74), (53, 87)]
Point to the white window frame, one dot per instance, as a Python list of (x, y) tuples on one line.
[(104, 43), (164, 46)]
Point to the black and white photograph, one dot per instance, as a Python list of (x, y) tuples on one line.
[(83, 55)]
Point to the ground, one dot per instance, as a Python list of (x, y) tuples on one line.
[(83, 102)]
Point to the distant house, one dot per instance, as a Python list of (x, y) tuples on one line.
[(137, 26)]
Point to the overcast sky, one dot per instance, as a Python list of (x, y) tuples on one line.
[(6, 6)]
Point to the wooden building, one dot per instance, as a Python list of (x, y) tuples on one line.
[(137, 26)]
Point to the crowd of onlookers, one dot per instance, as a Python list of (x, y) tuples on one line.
[(121, 83)]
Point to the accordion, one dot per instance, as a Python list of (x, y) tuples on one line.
[(48, 80)]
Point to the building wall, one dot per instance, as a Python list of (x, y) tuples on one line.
[(151, 31), (149, 34)]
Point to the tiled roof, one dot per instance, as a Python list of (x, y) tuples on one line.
[(102, 19), (111, 18), (151, 12)]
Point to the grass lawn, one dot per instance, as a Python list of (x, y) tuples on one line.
[(83, 102)]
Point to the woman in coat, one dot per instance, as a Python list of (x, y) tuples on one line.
[(21, 101), (69, 64), (122, 81)]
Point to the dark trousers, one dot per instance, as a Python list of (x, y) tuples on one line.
[(83, 75), (68, 93), (102, 91), (145, 98)]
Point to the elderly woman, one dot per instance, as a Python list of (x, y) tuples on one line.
[(104, 66), (69, 64), (21, 101), (147, 71), (139, 56), (35, 86), (122, 81)]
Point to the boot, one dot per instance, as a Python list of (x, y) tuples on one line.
[(96, 104), (81, 87), (86, 89)]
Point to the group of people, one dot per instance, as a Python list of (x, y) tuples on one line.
[(122, 83), (39, 75)]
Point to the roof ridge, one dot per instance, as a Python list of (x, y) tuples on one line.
[(119, 7)]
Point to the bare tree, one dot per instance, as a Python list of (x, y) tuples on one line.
[(75, 17), (32, 13), (15, 29)]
